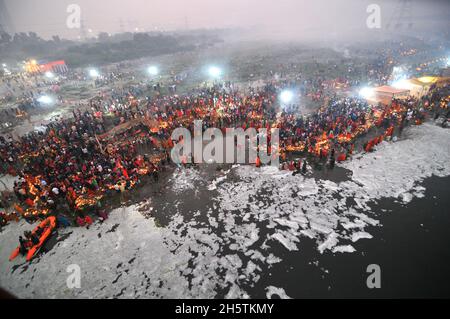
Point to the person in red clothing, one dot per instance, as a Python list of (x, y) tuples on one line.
[(29, 202), (351, 150), (342, 157), (88, 220), (291, 166), (102, 214), (369, 146), (298, 165), (81, 221), (258, 162), (390, 131)]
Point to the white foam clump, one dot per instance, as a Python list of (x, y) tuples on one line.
[(103, 255), (344, 249), (296, 207), (271, 291), (7, 182), (185, 179), (395, 169), (218, 180), (288, 243), (190, 259), (360, 235)]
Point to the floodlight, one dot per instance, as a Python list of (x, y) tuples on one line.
[(214, 72), (366, 92), (94, 73), (286, 96), (153, 70), (45, 99)]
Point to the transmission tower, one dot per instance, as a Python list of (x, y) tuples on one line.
[(6, 24), (401, 17), (83, 34), (186, 23), (121, 26)]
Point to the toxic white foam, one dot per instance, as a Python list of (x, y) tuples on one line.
[(252, 222)]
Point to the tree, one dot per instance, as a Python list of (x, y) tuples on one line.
[(5, 37), (141, 37), (103, 37), (56, 39), (33, 36), (20, 37)]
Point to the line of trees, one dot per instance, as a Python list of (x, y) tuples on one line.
[(105, 48)]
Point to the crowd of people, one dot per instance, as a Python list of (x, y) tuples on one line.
[(110, 145)]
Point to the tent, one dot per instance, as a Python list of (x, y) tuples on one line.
[(55, 66), (34, 66), (430, 80), (384, 94), (418, 87)]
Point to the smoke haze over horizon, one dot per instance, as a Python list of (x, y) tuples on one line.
[(300, 19)]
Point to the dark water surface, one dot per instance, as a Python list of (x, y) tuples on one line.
[(411, 244), (411, 247)]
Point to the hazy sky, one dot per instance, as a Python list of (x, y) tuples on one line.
[(48, 17)]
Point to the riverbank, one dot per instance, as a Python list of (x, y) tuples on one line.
[(244, 232)]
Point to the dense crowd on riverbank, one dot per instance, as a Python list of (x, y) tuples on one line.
[(76, 162)]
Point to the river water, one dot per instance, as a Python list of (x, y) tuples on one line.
[(241, 232)]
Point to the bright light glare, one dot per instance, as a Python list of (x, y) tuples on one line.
[(401, 84), (215, 72), (426, 79), (49, 74), (94, 73), (286, 96), (398, 70), (153, 70), (366, 92), (45, 99), (398, 73), (448, 61)]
